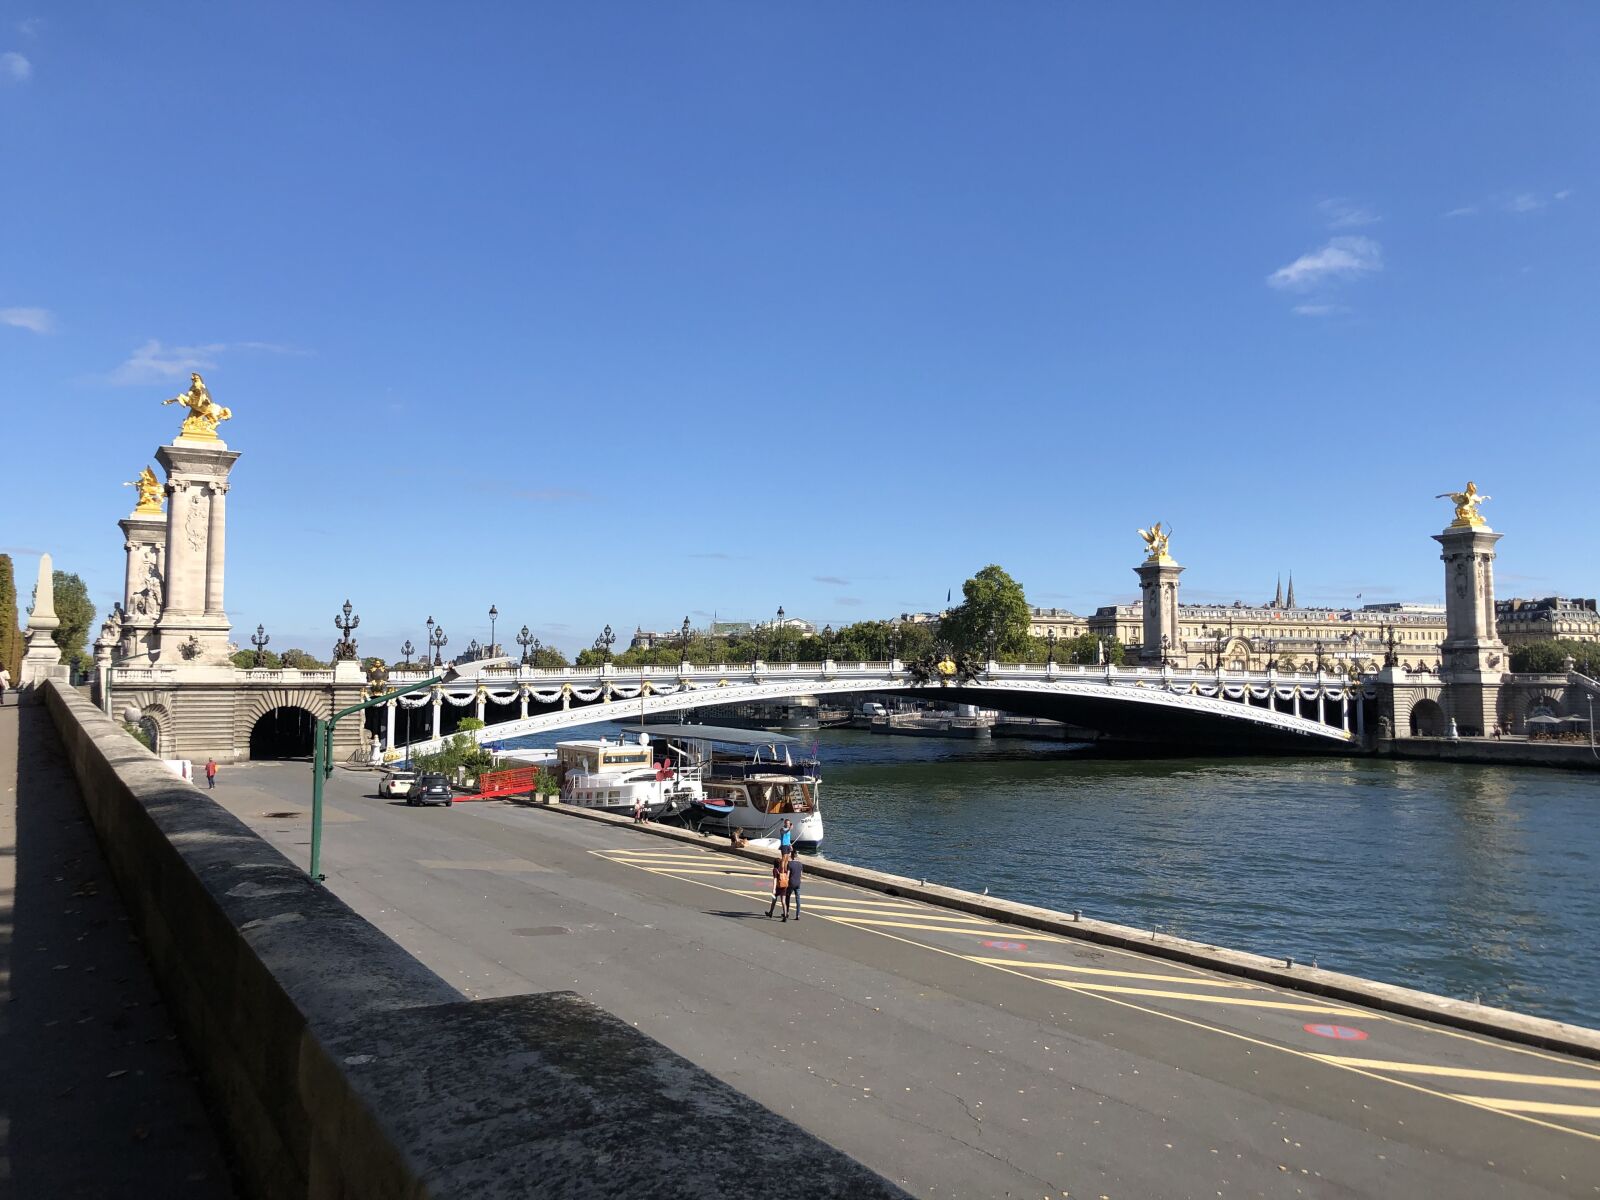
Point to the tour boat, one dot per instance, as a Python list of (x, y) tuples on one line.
[(753, 788), (614, 774)]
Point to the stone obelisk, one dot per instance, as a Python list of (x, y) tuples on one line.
[(42, 660), (1473, 659), (1158, 583), (193, 626)]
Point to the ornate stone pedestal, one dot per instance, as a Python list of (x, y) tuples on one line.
[(144, 539), (193, 626), (42, 659), (1158, 583), (1473, 659)]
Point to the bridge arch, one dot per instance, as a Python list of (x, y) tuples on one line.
[(286, 732), (1428, 719)]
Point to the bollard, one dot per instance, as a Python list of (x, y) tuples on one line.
[(1077, 914), (1288, 962)]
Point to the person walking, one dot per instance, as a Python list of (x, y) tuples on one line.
[(5, 685), (638, 810), (792, 891), (780, 883), (786, 836), (211, 774)]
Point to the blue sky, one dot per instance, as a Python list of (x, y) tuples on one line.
[(617, 312)]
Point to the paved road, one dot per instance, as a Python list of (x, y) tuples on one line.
[(956, 1055)]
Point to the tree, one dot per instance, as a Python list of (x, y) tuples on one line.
[(548, 657), (1083, 650), (992, 600), (76, 614), (10, 634), (247, 659), (1549, 657), (300, 660)]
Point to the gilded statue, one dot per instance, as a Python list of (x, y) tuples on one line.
[(204, 413), (150, 492), (1467, 515), (1155, 541)]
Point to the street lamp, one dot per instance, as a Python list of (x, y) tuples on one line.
[(407, 651), (1050, 640), (427, 643), (605, 641), (894, 642), (438, 641), (346, 647), (474, 651), (827, 642), (683, 641), (1166, 647), (989, 642), (259, 641), (494, 615), (525, 639)]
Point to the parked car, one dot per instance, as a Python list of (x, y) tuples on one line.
[(432, 789), (397, 783)]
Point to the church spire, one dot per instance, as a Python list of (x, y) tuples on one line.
[(1290, 601), (1277, 596)]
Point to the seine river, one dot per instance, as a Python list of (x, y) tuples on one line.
[(1466, 881)]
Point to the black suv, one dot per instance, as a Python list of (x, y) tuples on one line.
[(431, 789)]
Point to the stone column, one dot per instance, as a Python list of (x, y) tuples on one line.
[(1473, 660), (388, 719), (216, 546), (144, 540), (438, 712), (193, 626), (42, 660), (1158, 584)]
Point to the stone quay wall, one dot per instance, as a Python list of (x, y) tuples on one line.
[(336, 1065)]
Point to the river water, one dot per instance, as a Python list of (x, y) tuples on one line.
[(1475, 882)]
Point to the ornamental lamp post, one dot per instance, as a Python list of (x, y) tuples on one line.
[(683, 642), (989, 642), (605, 641), (259, 641), (1050, 640), (827, 642), (345, 648), (407, 651), (894, 642), (438, 641), (777, 632), (494, 615), (525, 639), (427, 643)]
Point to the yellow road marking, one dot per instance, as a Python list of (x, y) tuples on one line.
[(1050, 966), (1235, 1034), (1378, 1064), (1532, 1106), (724, 872), (1240, 1001), (976, 929), (831, 905)]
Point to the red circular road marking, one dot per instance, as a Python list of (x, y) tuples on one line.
[(1001, 945), (1339, 1033)]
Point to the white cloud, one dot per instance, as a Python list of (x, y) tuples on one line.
[(14, 68), (1342, 258), (1320, 310), (1524, 202), (154, 362), (30, 27), (1466, 210), (1346, 214), (34, 320), (1563, 193)]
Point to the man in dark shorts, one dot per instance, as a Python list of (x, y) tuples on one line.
[(792, 892)]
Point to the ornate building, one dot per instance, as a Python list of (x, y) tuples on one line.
[(1555, 617)]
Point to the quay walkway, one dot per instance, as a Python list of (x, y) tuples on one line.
[(97, 1098), (954, 1054)]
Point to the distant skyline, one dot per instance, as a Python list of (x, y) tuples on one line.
[(614, 314)]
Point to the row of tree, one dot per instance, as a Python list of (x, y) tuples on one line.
[(1550, 656)]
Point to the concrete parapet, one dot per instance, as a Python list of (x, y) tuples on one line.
[(1385, 997), (339, 1066)]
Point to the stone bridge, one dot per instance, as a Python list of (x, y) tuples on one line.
[(1212, 709)]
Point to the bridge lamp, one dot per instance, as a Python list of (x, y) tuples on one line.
[(259, 641), (438, 640), (525, 639), (827, 641), (494, 615), (683, 641), (990, 643), (1050, 639), (407, 651)]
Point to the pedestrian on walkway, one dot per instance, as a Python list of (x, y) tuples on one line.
[(780, 883), (638, 810), (792, 892), (211, 774), (786, 836), (5, 685)]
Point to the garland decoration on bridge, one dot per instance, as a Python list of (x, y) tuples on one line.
[(415, 699)]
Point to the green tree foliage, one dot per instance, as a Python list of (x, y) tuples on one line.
[(300, 660), (1547, 657), (76, 614), (548, 658), (461, 753), (247, 659), (139, 734), (10, 633), (991, 600), (1083, 650)]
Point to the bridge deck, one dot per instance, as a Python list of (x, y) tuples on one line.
[(953, 1054)]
